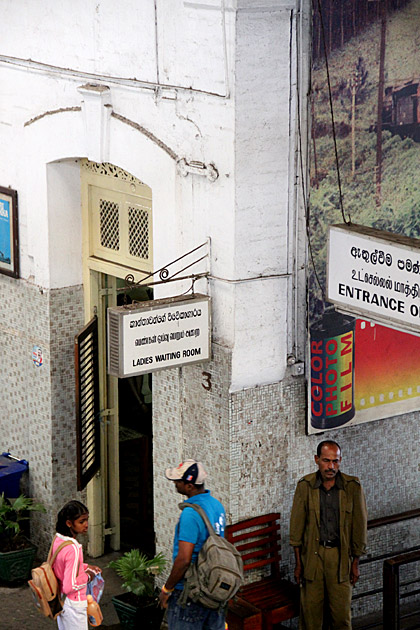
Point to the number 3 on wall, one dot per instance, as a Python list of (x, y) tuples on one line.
[(207, 380)]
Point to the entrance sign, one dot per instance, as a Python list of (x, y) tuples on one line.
[(149, 336), (376, 275)]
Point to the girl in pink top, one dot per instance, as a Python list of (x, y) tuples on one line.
[(72, 573)]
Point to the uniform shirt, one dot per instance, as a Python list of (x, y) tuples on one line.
[(191, 527), (305, 523), (329, 503)]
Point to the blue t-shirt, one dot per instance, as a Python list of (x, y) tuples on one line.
[(191, 527)]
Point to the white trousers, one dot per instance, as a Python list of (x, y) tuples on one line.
[(73, 616)]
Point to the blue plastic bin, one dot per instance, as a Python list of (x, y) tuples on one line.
[(11, 470)]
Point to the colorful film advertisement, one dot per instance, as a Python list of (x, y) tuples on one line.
[(332, 371)]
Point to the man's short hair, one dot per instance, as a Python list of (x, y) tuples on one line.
[(326, 443)]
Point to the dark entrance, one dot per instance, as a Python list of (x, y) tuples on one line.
[(136, 455)]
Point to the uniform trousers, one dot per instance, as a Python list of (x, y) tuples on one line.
[(326, 584), (73, 616)]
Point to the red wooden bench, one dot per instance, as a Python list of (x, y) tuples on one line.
[(270, 600)]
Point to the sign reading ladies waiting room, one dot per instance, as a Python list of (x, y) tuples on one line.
[(375, 274), (158, 334)]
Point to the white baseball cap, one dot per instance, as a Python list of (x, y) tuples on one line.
[(189, 471)]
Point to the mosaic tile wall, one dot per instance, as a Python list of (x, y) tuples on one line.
[(394, 538), (259, 435), (25, 420), (270, 452), (253, 441), (190, 422), (66, 319), (37, 405)]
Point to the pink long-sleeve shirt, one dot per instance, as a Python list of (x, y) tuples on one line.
[(69, 568)]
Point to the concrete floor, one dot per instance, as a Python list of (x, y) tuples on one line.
[(17, 610)]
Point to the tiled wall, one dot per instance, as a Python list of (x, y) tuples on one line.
[(270, 453), (259, 436), (190, 422), (25, 418), (37, 403), (66, 319), (24, 320), (392, 539), (253, 441)]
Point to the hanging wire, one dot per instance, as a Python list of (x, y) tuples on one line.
[(321, 19), (302, 177)]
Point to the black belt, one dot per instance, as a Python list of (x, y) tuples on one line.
[(329, 544)]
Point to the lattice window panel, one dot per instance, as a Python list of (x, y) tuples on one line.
[(138, 232), (109, 224)]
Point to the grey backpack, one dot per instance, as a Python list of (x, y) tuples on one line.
[(217, 574)]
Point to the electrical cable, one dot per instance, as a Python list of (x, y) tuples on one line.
[(321, 19), (302, 176)]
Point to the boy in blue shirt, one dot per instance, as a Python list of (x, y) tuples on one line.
[(190, 535)]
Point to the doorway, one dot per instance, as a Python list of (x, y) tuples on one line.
[(135, 400), (117, 239)]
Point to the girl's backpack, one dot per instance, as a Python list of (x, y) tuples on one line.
[(44, 585)]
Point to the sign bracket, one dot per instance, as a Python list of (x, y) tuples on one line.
[(169, 273)]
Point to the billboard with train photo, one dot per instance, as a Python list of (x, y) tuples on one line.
[(365, 87)]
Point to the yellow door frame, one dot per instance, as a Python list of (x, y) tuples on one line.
[(100, 291)]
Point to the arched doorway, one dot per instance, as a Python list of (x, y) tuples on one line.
[(117, 241)]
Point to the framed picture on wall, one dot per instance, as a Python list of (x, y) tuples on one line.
[(9, 237)]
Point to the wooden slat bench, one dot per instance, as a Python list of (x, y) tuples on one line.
[(258, 540)]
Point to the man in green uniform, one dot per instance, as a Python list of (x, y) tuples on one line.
[(328, 531)]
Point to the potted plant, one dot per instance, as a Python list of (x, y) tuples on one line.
[(138, 607), (17, 553)]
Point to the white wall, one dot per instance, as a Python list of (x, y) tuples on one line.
[(64, 224), (262, 153), (46, 123), (121, 40)]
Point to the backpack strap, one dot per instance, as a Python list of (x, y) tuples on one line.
[(185, 594), (51, 548), (52, 558), (202, 513)]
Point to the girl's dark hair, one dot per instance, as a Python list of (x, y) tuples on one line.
[(69, 512)]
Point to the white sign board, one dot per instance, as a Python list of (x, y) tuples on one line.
[(158, 334), (376, 275)]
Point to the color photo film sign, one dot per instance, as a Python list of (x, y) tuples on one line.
[(158, 334), (376, 275)]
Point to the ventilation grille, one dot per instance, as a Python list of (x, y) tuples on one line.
[(138, 232), (109, 224), (113, 343)]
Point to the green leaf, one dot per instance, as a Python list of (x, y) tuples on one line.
[(138, 571)]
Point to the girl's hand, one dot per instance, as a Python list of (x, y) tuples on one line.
[(92, 571)]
